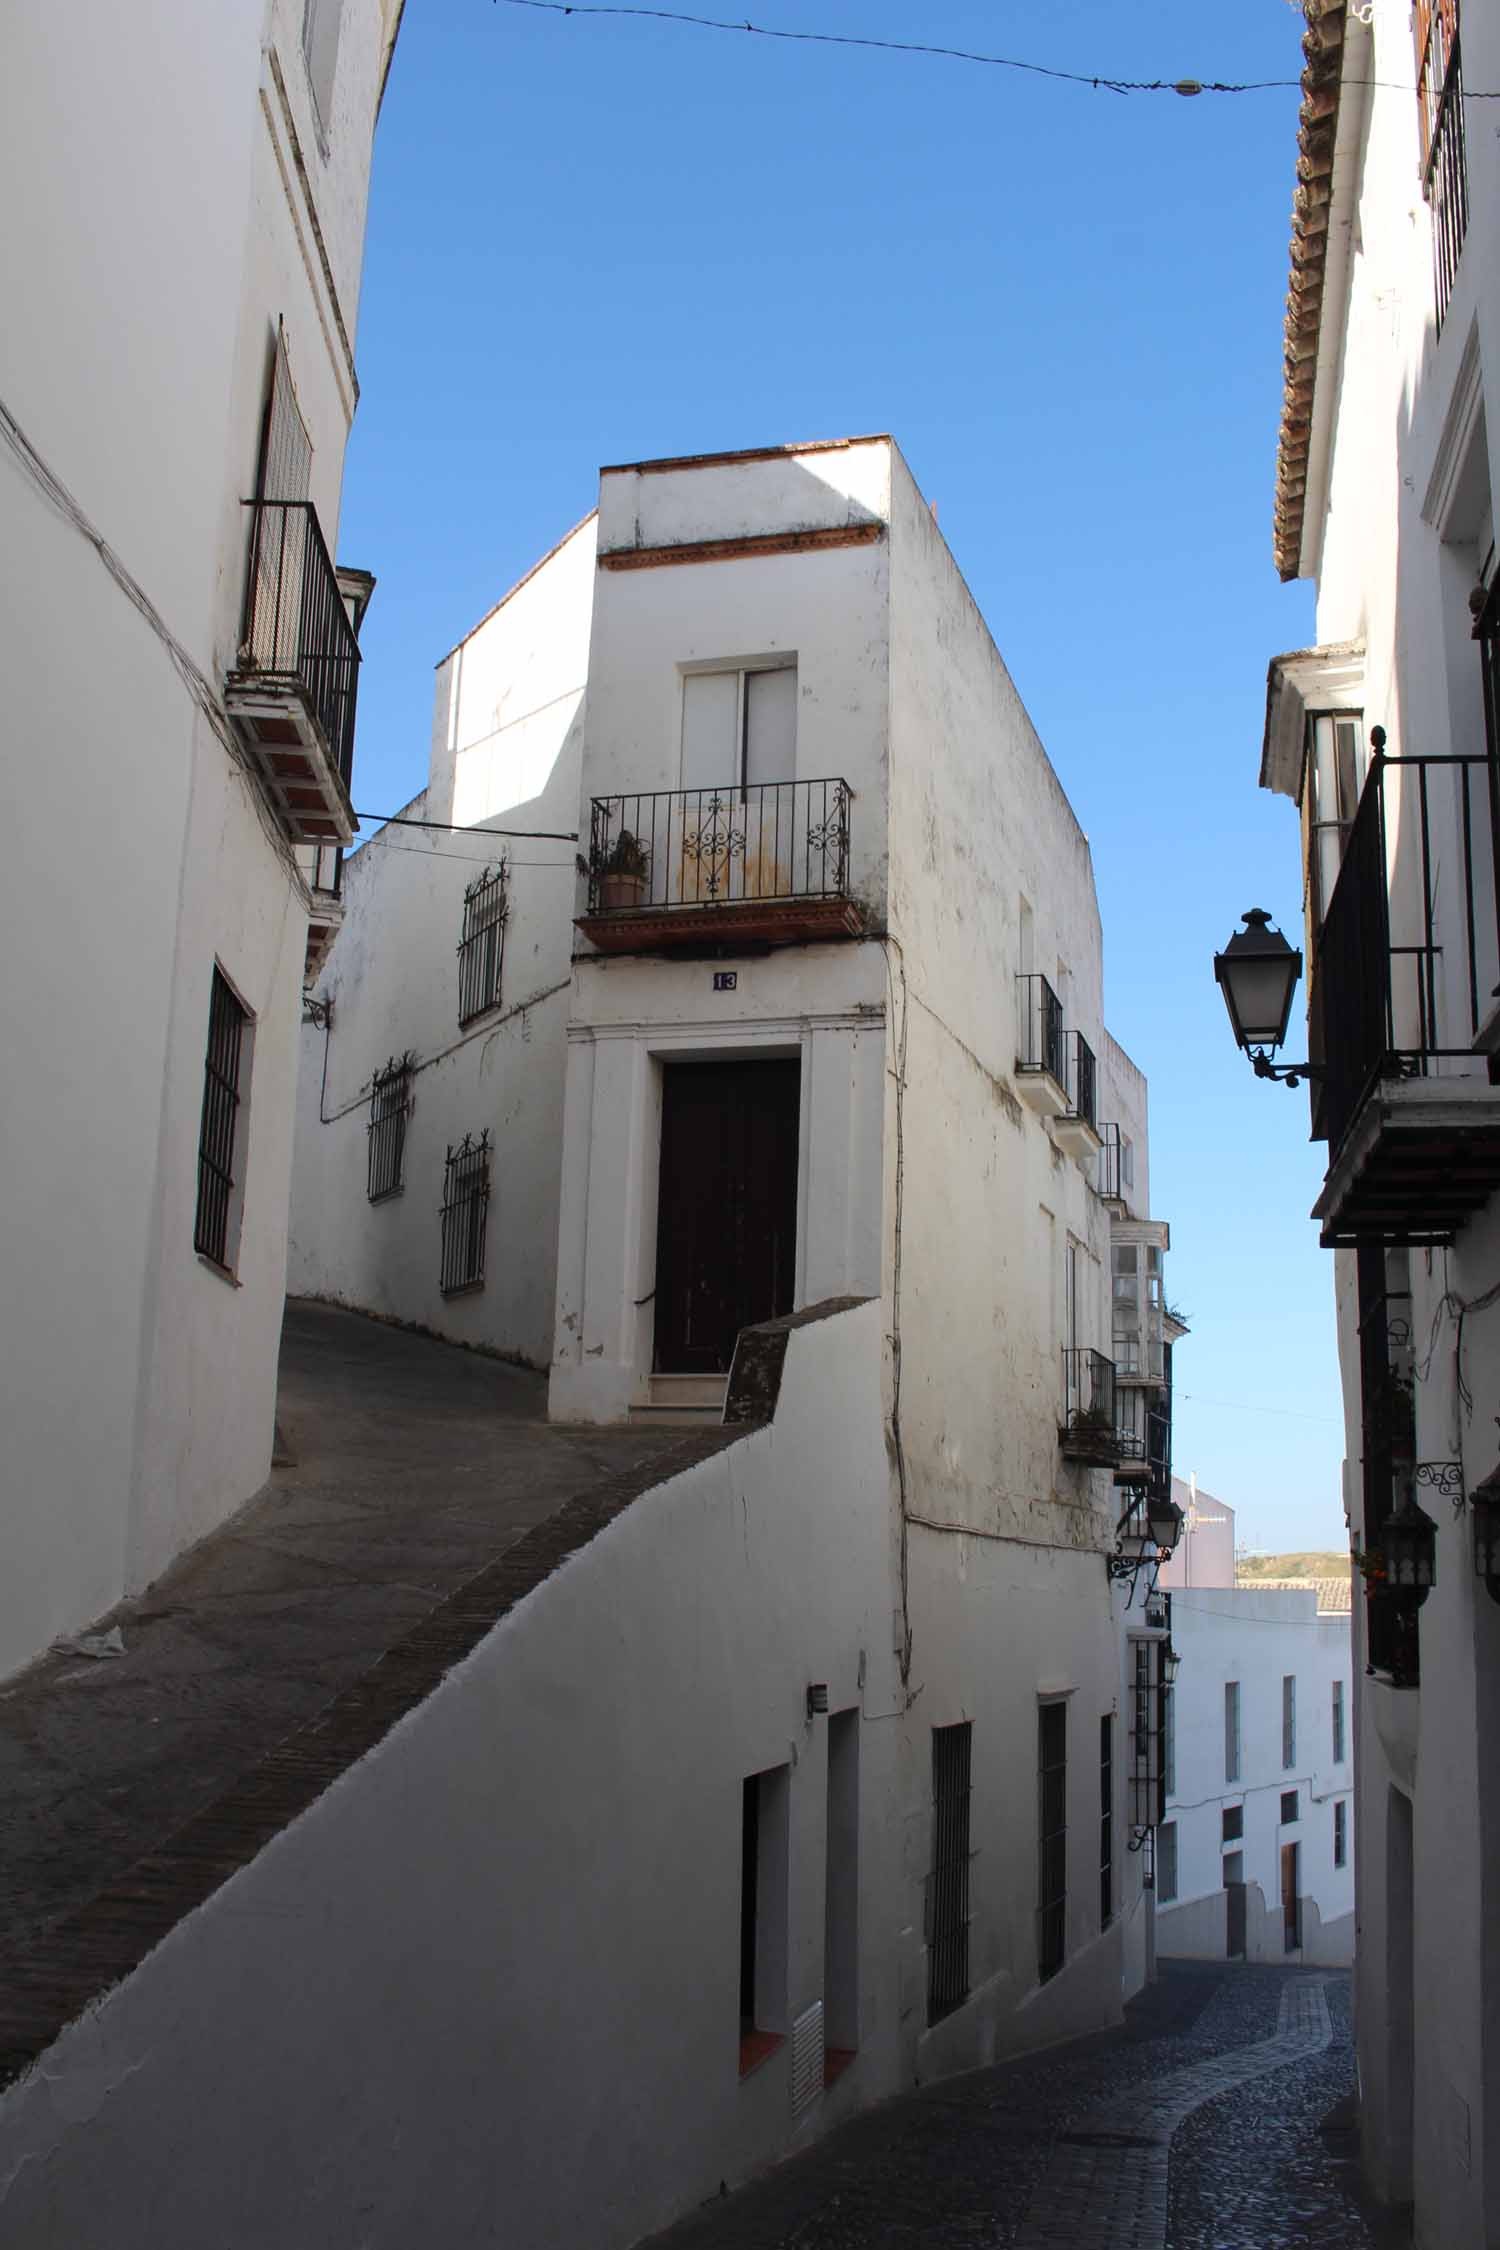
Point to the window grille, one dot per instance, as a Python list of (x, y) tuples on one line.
[(1148, 1696), (1231, 1730), (1052, 1858), (217, 1132), (390, 1106), (1106, 1821), (1338, 1722), (948, 1887), (1340, 1832), (481, 951), (465, 1213)]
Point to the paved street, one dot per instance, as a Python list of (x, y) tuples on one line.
[(1216, 2119)]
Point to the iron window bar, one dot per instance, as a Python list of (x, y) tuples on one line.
[(1039, 1026), (1445, 174), (1111, 1164), (948, 1886), (1148, 1726), (465, 1214), (296, 629), (390, 1106), (481, 949), (757, 842), (1052, 1835), (1376, 1003), (219, 1123), (1088, 1431)]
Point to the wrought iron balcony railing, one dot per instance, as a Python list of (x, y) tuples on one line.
[(1406, 959), (1143, 1429), (1088, 1431), (779, 847), (297, 635), (1039, 1027), (1078, 1076), (1111, 1174), (1445, 172)]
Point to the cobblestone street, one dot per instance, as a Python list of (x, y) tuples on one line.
[(1217, 2118)]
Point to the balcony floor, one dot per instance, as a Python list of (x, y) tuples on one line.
[(1421, 1157), (727, 924)]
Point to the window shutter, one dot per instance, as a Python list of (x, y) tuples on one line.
[(770, 726)]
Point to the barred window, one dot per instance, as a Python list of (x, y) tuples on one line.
[(481, 951), (948, 1884), (219, 1133), (465, 1214), (1052, 1856), (390, 1106)]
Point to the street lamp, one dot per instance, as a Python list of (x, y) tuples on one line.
[(1409, 1540), (1484, 1515), (1170, 1661), (1257, 973), (1163, 1523)]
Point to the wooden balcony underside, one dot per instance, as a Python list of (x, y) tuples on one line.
[(275, 721), (726, 923), (1421, 1158)]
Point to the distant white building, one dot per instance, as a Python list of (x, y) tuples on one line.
[(751, 1010), (1205, 1554), (181, 664), (1255, 1859)]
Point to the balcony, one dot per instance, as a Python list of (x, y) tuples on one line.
[(1445, 173), (292, 692), (1039, 1047), (1087, 1432), (1143, 1433), (1111, 1175), (1399, 984), (721, 869), (1075, 1130), (323, 869)]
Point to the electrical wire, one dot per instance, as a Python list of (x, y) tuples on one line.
[(1096, 81), (467, 828)]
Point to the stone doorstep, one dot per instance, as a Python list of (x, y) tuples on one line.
[(80, 1957)]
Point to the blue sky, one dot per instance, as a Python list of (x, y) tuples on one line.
[(597, 240)]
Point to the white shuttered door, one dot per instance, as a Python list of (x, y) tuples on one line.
[(770, 726)]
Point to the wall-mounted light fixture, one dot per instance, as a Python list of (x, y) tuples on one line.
[(1484, 1516), (1408, 1540), (1257, 973)]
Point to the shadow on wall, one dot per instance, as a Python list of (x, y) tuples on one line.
[(1216, 1928)]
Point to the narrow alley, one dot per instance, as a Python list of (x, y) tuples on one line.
[(1218, 2117)]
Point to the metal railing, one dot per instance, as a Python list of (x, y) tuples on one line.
[(1382, 996), (1445, 172), (1143, 1435), (1089, 1393), (1078, 1075), (465, 1214), (297, 630), (1039, 1026), (481, 949), (390, 1106), (1111, 1164), (764, 842)]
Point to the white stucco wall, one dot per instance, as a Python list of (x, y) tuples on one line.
[(142, 389), (508, 725), (1258, 1639)]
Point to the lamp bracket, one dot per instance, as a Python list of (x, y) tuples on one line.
[(1290, 1074)]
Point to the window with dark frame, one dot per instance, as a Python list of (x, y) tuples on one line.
[(219, 1127), (1340, 1831), (390, 1106), (948, 1885), (1231, 1730), (1232, 1824), (465, 1214), (481, 950), (1052, 1856), (1338, 1722), (1106, 1821), (1289, 1811), (1166, 1863), (1289, 1721)]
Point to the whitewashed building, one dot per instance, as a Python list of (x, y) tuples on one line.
[(748, 1014), (1255, 1859), (181, 667), (1386, 735)]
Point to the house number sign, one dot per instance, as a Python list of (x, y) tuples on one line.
[(726, 980)]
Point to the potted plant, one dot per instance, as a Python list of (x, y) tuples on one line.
[(1091, 1436), (624, 873)]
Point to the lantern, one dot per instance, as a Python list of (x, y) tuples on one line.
[(1257, 973), (1409, 1543)]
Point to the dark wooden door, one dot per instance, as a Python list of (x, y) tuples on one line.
[(727, 1216), (1291, 1918), (1236, 1918)]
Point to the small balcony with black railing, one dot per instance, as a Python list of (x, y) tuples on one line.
[(742, 864), (1143, 1432), (292, 692), (1088, 1433), (322, 868), (1445, 169), (1055, 1068), (1401, 1003)]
